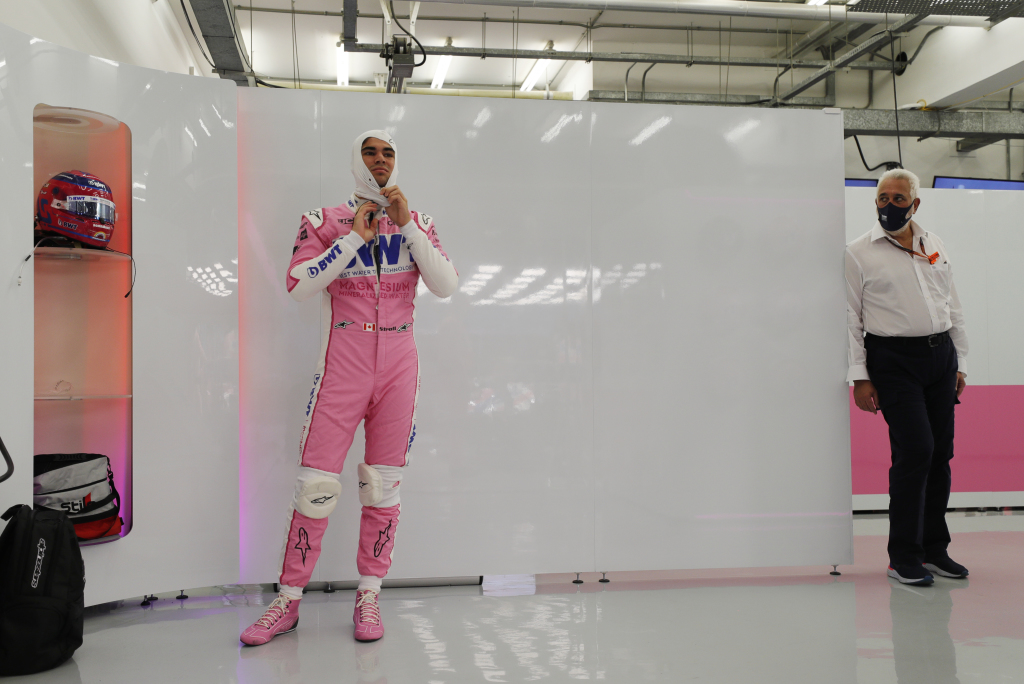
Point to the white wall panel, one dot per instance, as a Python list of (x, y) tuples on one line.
[(980, 228), (497, 481), (185, 340), (503, 425), (722, 435), (16, 303), (503, 471), (278, 179), (1000, 233)]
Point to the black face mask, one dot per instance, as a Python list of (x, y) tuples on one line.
[(892, 217)]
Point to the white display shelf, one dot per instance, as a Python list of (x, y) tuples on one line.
[(79, 254), (101, 540), (64, 397)]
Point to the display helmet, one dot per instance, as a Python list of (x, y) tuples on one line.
[(77, 205)]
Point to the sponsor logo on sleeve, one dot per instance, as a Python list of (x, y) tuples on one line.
[(295, 249), (329, 257), (312, 271), (342, 325), (303, 235)]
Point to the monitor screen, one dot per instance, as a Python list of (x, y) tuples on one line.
[(953, 183), (860, 183)]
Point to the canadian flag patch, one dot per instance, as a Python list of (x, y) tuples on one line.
[(369, 327)]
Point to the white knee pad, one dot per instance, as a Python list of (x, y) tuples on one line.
[(316, 493), (379, 485)]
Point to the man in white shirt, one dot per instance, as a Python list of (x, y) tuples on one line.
[(907, 358)]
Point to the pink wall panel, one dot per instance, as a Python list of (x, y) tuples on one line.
[(989, 447)]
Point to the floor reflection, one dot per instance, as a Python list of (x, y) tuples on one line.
[(764, 626), (921, 644)]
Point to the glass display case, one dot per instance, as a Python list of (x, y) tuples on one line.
[(83, 306)]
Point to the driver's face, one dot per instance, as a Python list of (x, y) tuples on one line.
[(379, 158)]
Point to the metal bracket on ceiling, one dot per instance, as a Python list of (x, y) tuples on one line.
[(414, 11), (1013, 10), (400, 60), (388, 29)]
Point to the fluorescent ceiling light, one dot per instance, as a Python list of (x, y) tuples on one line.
[(538, 69), (442, 71), (342, 65), (816, 2), (535, 72)]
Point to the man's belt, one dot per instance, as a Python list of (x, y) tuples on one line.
[(926, 341)]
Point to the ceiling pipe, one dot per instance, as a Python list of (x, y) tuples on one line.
[(733, 8)]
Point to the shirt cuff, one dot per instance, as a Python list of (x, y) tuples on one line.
[(353, 240), (961, 364), (857, 373), (410, 229)]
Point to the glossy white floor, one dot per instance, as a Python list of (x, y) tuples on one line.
[(779, 625)]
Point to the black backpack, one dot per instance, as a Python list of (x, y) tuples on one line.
[(42, 591)]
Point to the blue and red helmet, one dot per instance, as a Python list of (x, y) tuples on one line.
[(77, 205)]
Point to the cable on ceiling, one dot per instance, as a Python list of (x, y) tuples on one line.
[(887, 164), (394, 18), (895, 102)]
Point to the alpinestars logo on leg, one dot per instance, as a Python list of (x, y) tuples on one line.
[(303, 546), (383, 537)]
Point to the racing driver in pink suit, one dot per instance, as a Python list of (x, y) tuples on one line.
[(366, 257)]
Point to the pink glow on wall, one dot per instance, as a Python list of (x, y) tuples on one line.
[(989, 446)]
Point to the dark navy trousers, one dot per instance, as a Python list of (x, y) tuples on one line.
[(916, 386)]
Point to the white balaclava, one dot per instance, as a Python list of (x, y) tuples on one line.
[(366, 185)]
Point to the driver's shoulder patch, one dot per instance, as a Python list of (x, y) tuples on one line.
[(315, 217), (425, 220)]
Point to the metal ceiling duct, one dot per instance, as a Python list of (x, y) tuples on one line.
[(734, 8)]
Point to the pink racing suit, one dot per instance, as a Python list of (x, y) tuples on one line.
[(368, 368)]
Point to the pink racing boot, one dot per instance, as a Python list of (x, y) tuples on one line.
[(366, 616), (281, 617)]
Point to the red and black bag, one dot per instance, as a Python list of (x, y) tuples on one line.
[(81, 485)]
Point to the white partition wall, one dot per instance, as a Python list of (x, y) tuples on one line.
[(497, 481), (643, 367), (279, 158), (722, 435), (981, 231), (185, 337), (503, 449)]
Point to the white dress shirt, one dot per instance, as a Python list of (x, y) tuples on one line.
[(891, 293)]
